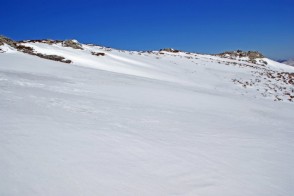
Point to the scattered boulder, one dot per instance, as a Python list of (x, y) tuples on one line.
[(98, 53), (73, 44)]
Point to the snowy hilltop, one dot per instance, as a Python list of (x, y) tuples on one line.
[(82, 119)]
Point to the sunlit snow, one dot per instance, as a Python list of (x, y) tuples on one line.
[(139, 123)]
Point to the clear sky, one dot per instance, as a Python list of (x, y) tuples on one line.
[(205, 26)]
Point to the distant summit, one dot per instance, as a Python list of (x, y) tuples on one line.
[(287, 62)]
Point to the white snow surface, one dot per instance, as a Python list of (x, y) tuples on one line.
[(6, 48), (137, 123)]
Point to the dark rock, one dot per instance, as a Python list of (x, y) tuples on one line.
[(25, 49), (46, 41), (98, 53), (170, 50), (53, 57)]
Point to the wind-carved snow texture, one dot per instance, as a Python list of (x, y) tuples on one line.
[(143, 123)]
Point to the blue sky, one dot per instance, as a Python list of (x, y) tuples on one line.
[(204, 26)]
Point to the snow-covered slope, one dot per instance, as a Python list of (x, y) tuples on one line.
[(116, 122)]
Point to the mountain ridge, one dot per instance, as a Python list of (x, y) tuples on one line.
[(130, 62), (76, 45)]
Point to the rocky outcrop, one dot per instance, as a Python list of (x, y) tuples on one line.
[(252, 56), (8, 41), (73, 44), (240, 54), (169, 50)]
